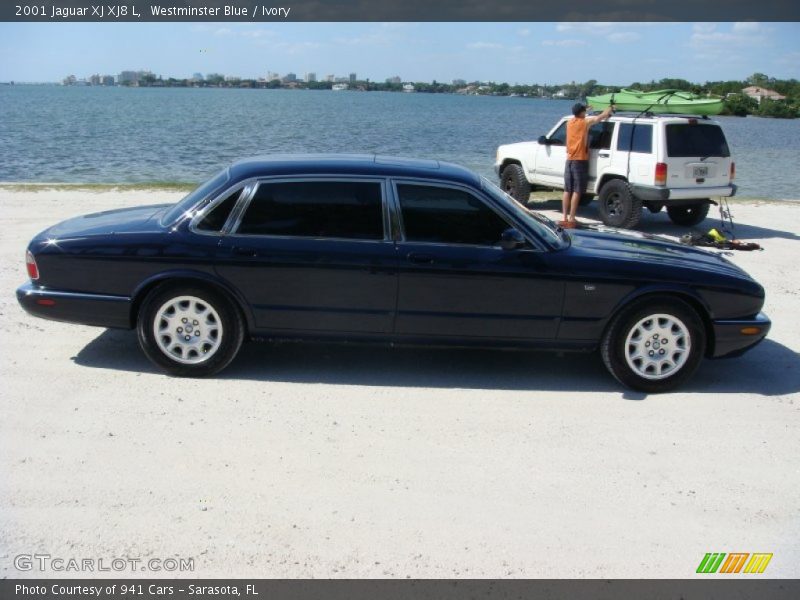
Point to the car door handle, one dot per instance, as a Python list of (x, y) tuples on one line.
[(249, 252), (604, 154), (420, 259)]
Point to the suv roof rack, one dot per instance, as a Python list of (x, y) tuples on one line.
[(633, 113)]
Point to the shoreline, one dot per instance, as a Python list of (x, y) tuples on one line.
[(181, 186)]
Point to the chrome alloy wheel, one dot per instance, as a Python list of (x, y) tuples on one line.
[(187, 329), (658, 346)]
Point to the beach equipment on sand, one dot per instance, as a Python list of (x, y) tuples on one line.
[(676, 102)]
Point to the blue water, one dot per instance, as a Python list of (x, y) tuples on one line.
[(112, 135)]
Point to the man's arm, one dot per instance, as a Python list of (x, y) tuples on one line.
[(601, 117)]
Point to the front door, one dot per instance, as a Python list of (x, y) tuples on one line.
[(456, 282)]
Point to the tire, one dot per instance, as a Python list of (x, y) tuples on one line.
[(586, 199), (628, 336), (618, 206), (514, 183), (689, 214), (218, 322)]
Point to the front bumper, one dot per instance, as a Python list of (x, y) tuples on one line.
[(729, 341), (650, 193), (73, 307)]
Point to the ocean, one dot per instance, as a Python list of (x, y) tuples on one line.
[(52, 133)]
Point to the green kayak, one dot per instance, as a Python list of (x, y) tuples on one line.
[(671, 102)]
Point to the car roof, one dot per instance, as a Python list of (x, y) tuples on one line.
[(640, 117), (349, 164)]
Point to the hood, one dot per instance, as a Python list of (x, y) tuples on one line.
[(624, 245), (121, 220)]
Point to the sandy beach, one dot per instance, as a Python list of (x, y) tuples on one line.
[(326, 461)]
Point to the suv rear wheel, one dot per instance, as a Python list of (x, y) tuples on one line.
[(688, 215), (618, 206), (514, 183)]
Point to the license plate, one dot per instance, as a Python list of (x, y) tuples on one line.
[(700, 171)]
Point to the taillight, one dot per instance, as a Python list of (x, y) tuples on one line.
[(30, 263), (661, 174), (733, 170)]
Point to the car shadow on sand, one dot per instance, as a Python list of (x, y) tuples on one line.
[(660, 224), (770, 369)]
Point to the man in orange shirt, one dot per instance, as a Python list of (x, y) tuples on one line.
[(576, 171)]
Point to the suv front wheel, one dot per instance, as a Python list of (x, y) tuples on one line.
[(515, 184), (618, 206), (688, 215)]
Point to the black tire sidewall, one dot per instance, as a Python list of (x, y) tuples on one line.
[(689, 215), (232, 327), (520, 188), (613, 346), (632, 206)]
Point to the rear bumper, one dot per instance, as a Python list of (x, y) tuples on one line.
[(650, 193), (729, 341), (72, 307)]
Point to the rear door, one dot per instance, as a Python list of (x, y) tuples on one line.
[(314, 255), (455, 281), (697, 155), (633, 153)]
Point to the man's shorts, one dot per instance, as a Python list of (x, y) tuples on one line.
[(576, 176)]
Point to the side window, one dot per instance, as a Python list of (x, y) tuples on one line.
[(448, 216), (635, 137), (559, 137), (332, 209), (215, 220), (600, 135)]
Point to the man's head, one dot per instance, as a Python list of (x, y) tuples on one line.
[(579, 110)]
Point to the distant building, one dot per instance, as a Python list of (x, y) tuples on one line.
[(69, 80), (271, 76), (311, 77), (394, 79), (289, 78), (95, 79), (107, 80), (330, 78), (128, 78), (759, 93), (352, 78), (197, 77), (460, 82)]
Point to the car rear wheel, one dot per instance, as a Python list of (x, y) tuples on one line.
[(189, 331), (618, 206), (688, 215), (514, 183), (654, 346)]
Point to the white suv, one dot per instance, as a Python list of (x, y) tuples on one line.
[(635, 161)]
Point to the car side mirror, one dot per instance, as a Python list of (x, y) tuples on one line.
[(543, 140), (511, 239)]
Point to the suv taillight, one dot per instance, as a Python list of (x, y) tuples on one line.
[(30, 263), (733, 170), (661, 174)]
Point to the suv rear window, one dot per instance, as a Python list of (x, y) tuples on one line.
[(635, 137), (685, 139)]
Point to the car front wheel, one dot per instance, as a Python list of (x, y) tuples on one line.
[(654, 346), (189, 331)]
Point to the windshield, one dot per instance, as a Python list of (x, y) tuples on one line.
[(189, 201), (547, 230)]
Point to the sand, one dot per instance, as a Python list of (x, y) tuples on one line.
[(325, 461)]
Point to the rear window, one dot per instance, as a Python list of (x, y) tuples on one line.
[(685, 139), (329, 209), (635, 137)]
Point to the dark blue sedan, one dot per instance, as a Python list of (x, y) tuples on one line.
[(372, 248)]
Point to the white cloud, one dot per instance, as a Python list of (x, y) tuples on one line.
[(224, 31), (564, 43), (747, 27), (524, 32), (485, 46), (624, 37)]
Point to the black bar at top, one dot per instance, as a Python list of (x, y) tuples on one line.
[(400, 10)]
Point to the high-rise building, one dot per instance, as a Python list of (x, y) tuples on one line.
[(128, 77), (108, 80), (95, 79), (330, 78), (197, 77), (395, 79), (272, 75), (289, 78), (311, 77), (459, 82), (352, 78)]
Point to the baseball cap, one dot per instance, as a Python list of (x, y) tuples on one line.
[(578, 108)]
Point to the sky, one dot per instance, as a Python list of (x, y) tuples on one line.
[(547, 53)]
